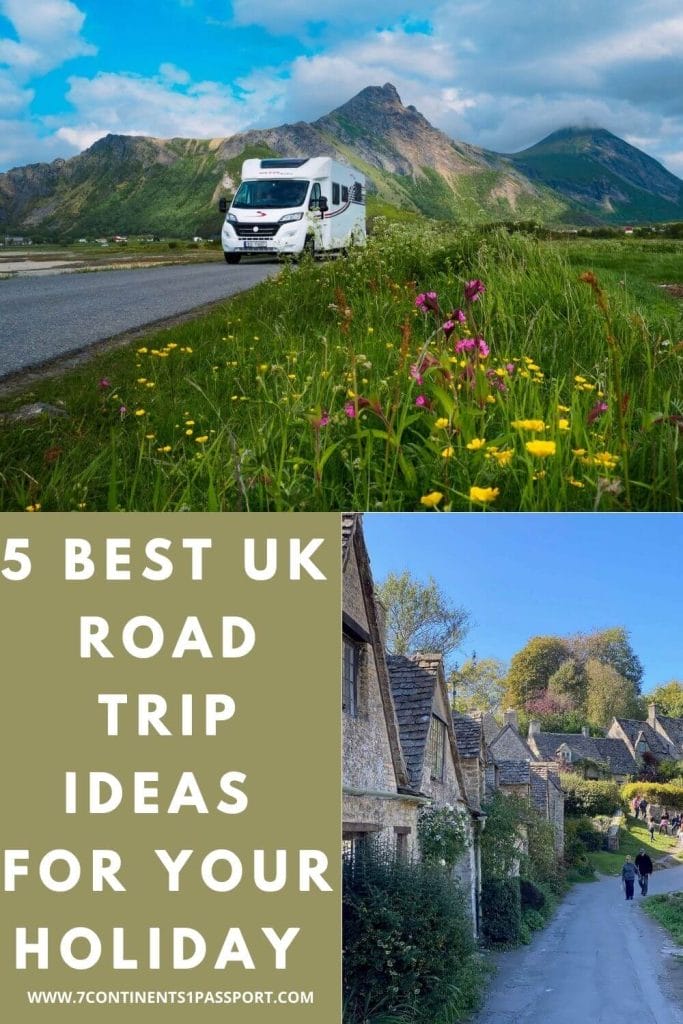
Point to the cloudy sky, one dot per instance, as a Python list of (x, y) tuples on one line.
[(498, 73)]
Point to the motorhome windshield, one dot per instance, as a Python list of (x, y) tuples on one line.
[(270, 195)]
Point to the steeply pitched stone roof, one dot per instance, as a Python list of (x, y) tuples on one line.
[(412, 687), (612, 752), (632, 727), (513, 773), (673, 728), (467, 734), (539, 788)]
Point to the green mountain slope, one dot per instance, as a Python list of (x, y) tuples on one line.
[(140, 185), (605, 175)]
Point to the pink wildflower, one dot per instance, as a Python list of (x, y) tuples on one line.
[(598, 410), (448, 327), (420, 401), (426, 301), (464, 345), (415, 373), (350, 410), (122, 411), (104, 383), (510, 367), (483, 347), (474, 289)]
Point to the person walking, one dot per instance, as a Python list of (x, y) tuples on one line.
[(635, 806), (651, 827), (644, 868), (643, 807), (628, 877), (664, 823)]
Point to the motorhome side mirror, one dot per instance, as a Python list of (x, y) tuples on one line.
[(322, 204), (223, 204)]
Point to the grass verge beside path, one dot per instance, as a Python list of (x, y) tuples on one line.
[(667, 910), (329, 388), (632, 838)]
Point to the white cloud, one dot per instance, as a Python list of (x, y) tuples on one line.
[(174, 75), (294, 15), (49, 34)]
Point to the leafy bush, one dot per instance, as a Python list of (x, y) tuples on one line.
[(442, 833), (532, 921), (501, 910), (589, 796), (580, 837), (408, 945), (665, 794), (532, 897)]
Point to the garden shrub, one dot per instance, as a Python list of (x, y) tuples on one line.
[(501, 910), (532, 897), (408, 945), (589, 796), (663, 793), (580, 837), (442, 834)]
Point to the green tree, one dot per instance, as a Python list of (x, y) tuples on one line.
[(569, 681), (611, 647), (420, 616), (532, 668), (478, 683), (609, 694), (668, 698)]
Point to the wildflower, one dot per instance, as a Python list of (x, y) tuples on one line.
[(415, 373), (605, 460), (189, 423), (528, 424), (578, 451), (448, 327), (104, 383), (139, 412), (432, 499), (598, 410), (503, 458), (563, 424), (458, 315), (143, 350), (201, 440), (447, 453), (164, 448), (34, 508), (189, 432), (441, 423), (474, 290), (563, 408), (484, 495), (476, 444), (420, 401), (122, 411), (574, 483), (541, 448), (426, 301), (350, 410), (510, 367)]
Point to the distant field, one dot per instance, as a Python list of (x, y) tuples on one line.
[(337, 387)]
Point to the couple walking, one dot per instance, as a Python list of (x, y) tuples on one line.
[(641, 869)]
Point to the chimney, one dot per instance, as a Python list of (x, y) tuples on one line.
[(651, 714), (585, 731), (534, 727), (512, 718)]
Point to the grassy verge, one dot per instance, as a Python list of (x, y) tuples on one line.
[(667, 909), (632, 838), (329, 389)]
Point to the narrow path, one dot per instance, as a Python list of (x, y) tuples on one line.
[(601, 961)]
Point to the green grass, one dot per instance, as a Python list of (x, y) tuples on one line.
[(302, 395), (632, 838), (667, 909)]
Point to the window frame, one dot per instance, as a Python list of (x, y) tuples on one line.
[(436, 748)]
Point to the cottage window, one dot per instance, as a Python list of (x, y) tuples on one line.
[(641, 747), (436, 742), (351, 676)]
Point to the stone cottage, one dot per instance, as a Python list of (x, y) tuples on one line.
[(430, 748), (593, 757), (379, 798)]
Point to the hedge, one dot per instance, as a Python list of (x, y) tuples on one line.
[(589, 796), (501, 910), (664, 794)]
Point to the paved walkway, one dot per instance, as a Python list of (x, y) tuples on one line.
[(600, 961)]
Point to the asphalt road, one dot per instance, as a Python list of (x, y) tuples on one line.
[(43, 319), (601, 961)]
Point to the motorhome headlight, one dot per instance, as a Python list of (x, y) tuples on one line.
[(232, 219), (288, 217)]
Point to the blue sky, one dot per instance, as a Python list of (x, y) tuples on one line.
[(524, 575), (497, 73)]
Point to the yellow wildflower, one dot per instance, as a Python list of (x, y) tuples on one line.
[(476, 444), (573, 482), (541, 448), (441, 423), (503, 458), (189, 423), (563, 408), (484, 495), (139, 412), (165, 448), (33, 508), (447, 453), (432, 499), (202, 440), (528, 424), (189, 432), (578, 451), (563, 424)]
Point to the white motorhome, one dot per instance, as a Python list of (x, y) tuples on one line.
[(294, 205)]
